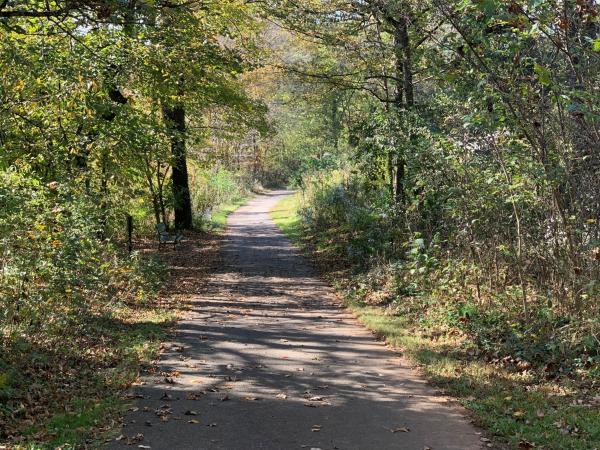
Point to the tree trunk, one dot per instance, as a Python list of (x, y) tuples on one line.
[(175, 121)]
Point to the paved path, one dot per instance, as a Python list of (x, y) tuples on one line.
[(266, 359)]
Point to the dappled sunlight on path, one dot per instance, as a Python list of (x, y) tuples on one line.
[(267, 359)]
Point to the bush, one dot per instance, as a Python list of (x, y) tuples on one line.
[(56, 258), (445, 280), (214, 187)]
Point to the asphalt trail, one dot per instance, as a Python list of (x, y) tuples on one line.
[(267, 359)]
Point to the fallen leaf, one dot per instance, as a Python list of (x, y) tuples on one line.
[(132, 396), (225, 398), (193, 421), (400, 430), (282, 396), (524, 445), (191, 413), (251, 399)]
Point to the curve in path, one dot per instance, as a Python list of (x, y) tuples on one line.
[(267, 359)]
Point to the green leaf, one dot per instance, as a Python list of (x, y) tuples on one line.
[(543, 74)]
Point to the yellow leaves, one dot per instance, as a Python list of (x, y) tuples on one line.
[(518, 414), (19, 85)]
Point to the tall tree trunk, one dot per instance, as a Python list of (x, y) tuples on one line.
[(175, 121)]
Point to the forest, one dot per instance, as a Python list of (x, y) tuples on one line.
[(443, 157)]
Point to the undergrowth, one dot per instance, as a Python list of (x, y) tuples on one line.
[(513, 379)]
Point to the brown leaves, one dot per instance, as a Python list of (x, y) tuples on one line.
[(313, 401), (132, 395), (131, 440), (163, 412), (193, 396)]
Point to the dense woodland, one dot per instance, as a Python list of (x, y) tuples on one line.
[(446, 154)]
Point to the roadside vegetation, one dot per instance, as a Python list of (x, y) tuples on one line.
[(515, 401)]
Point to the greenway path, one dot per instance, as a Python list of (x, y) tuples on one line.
[(267, 359)]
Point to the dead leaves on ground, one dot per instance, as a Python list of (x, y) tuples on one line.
[(314, 401)]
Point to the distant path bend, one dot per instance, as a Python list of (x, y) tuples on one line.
[(267, 359)]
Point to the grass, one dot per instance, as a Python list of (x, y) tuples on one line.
[(285, 216), (516, 408)]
